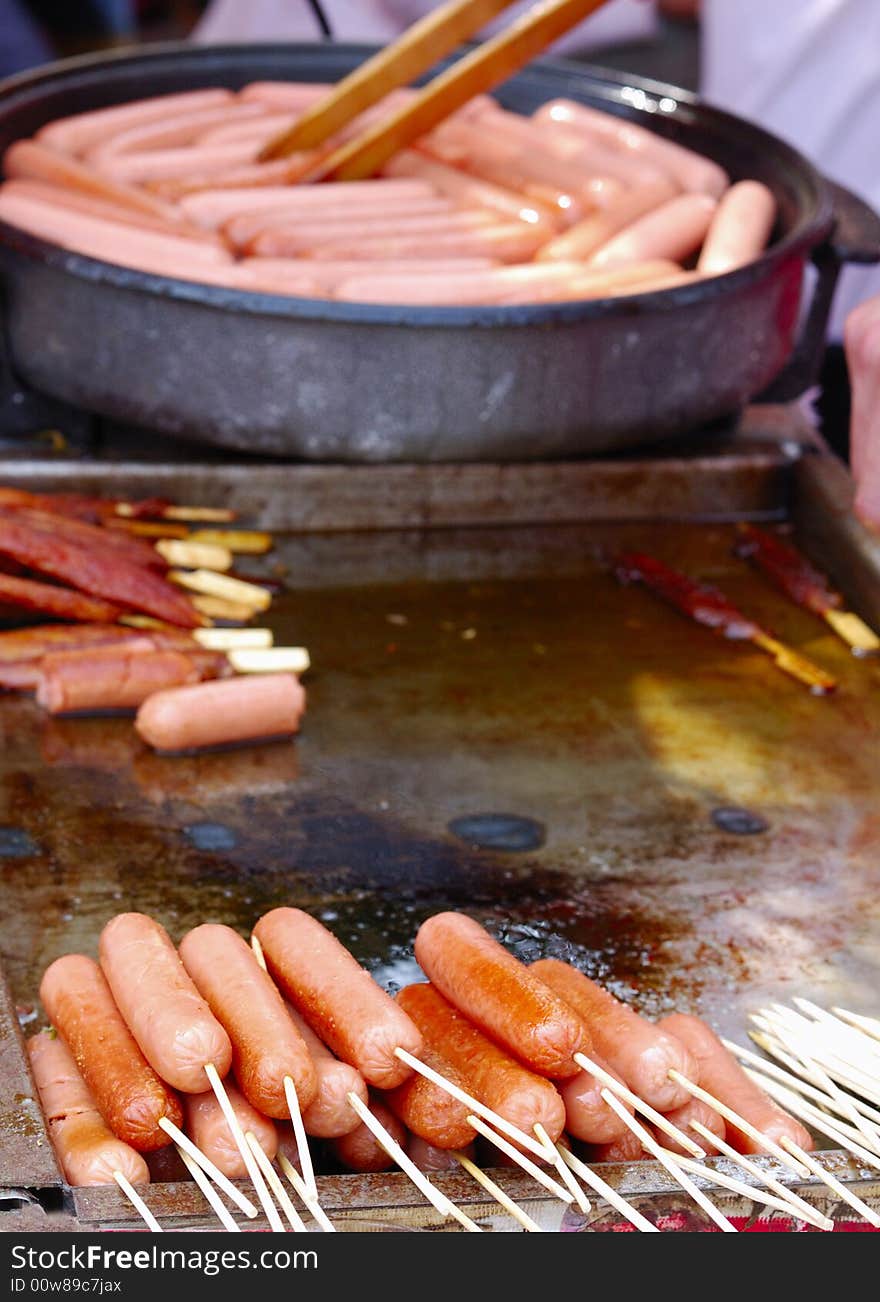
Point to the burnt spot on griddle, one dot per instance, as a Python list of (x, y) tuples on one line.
[(211, 836), (16, 843), (511, 832), (738, 821)]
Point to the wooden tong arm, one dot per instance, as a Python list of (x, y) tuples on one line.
[(419, 48)]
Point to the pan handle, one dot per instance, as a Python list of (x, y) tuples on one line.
[(854, 237)]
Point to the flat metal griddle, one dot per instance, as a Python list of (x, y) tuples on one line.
[(464, 671)]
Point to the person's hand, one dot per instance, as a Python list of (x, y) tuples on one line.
[(862, 342)]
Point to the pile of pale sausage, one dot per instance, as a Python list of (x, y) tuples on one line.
[(491, 207), (134, 1032)]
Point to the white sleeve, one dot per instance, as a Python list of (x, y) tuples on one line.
[(808, 71)]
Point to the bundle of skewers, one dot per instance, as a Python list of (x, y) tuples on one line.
[(789, 571), (148, 614), (242, 1056)]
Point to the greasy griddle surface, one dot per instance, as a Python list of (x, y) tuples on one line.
[(494, 671)]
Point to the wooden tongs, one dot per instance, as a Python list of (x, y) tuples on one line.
[(418, 49)]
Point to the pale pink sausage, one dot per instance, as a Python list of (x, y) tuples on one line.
[(212, 714), (27, 158), (176, 1030), (178, 129), (326, 275), (242, 229), (675, 230), (527, 283), (578, 153), (299, 238), (468, 190), (260, 128), (740, 228), (691, 170), (78, 201), (296, 96), (584, 238), (693, 1110), (82, 131), (360, 1150), (172, 164), (266, 1045), (641, 1053), (209, 1130), (330, 1114), (339, 999), (111, 241), (723, 1077), (87, 1149), (508, 242), (211, 208), (285, 171)]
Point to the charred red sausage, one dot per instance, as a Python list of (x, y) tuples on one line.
[(128, 1093), (500, 995), (337, 997), (638, 1051), (266, 1045), (429, 1111), (487, 1073), (176, 1030)]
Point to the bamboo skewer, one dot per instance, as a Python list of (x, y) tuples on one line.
[(567, 1178), (445, 1206), (791, 662), (221, 608), (234, 639), (209, 514), (835, 1097), (611, 1196), (750, 1191), (835, 1066), (852, 630), (552, 1186), (190, 555), (735, 1120), (137, 1201), (803, 1208), (503, 1199), (839, 1131), (269, 660), (421, 46), (210, 584), (657, 1118), (790, 1078), (302, 1143), (312, 1204), (271, 1177), (244, 1148), (833, 1184), (869, 1025), (247, 542), (666, 1159), (210, 1193), (209, 1167), (492, 62)]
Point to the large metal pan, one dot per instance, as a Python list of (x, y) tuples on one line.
[(336, 381)]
